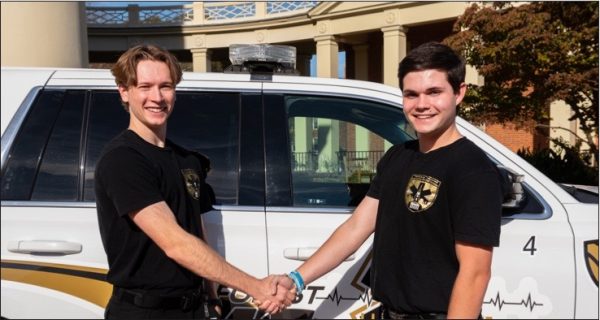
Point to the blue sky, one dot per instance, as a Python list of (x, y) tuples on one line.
[(341, 65)]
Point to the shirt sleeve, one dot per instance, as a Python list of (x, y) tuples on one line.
[(129, 180), (477, 209), (207, 198)]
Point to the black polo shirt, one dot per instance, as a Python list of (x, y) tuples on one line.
[(131, 175), (427, 202)]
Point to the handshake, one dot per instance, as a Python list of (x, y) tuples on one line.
[(276, 292)]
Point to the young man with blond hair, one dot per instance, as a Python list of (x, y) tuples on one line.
[(150, 195)]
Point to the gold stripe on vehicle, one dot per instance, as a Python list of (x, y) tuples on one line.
[(100, 271), (83, 282)]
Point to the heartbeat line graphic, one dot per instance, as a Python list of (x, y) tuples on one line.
[(335, 297), (528, 303)]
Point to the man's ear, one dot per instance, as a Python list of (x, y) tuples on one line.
[(460, 95), (124, 93)]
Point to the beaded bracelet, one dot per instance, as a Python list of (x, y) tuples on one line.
[(298, 281)]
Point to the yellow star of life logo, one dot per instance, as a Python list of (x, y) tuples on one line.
[(421, 192), (192, 182)]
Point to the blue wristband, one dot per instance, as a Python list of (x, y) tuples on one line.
[(298, 281)]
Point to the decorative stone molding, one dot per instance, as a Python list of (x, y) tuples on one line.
[(260, 35), (323, 27), (199, 40), (390, 17), (199, 51), (325, 38), (394, 29)]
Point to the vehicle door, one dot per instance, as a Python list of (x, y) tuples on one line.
[(321, 153), (329, 162), (533, 269), (53, 262), (227, 128)]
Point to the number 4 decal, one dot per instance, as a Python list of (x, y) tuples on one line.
[(530, 246)]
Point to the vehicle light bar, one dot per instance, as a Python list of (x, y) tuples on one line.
[(241, 53), (265, 59)]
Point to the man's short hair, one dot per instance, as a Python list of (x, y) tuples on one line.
[(434, 55), (125, 70)]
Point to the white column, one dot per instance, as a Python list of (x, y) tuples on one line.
[(133, 11), (201, 60), (261, 9), (198, 8), (331, 145), (327, 56), (361, 136), (394, 49), (44, 34)]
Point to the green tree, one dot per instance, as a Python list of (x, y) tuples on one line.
[(531, 55)]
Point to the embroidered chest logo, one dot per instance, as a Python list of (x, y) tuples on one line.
[(421, 192), (192, 182)]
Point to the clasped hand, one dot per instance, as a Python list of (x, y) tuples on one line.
[(276, 293)]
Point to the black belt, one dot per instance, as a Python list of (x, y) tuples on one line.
[(392, 314), (186, 302)]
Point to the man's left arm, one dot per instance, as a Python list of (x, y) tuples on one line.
[(474, 273)]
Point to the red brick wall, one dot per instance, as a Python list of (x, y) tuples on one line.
[(526, 137)]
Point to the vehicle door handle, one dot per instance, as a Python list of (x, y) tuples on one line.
[(44, 246), (302, 254)]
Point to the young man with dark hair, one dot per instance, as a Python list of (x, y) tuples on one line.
[(150, 195), (434, 205)]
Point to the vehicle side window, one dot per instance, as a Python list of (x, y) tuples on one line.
[(106, 119), (204, 122), (208, 123), (58, 176), (336, 144), (29, 145)]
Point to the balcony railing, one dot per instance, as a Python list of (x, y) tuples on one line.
[(360, 160), (198, 13), (347, 161)]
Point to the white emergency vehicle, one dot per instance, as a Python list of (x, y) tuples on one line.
[(290, 158)]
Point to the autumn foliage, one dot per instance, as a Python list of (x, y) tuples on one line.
[(530, 55)]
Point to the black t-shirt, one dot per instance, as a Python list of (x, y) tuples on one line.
[(131, 175), (427, 201)]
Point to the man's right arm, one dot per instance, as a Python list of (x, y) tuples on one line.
[(346, 239), (158, 222)]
